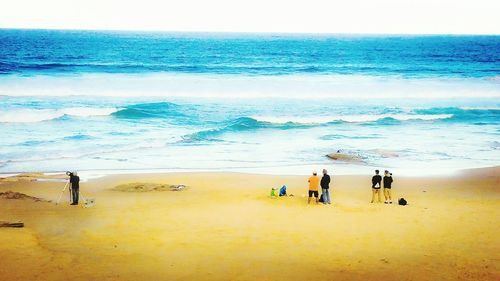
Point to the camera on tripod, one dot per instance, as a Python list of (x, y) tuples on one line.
[(74, 185)]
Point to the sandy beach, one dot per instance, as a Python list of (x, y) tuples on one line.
[(224, 226)]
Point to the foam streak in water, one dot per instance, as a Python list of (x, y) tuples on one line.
[(348, 118), (38, 115)]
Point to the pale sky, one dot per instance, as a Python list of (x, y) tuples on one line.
[(305, 16)]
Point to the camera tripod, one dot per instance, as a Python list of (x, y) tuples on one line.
[(62, 192), (85, 204)]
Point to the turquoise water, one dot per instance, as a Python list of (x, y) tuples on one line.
[(100, 101)]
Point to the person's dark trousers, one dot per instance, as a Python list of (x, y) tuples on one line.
[(74, 195)]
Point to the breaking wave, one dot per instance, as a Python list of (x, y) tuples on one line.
[(39, 115)]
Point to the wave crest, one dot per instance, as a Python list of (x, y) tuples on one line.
[(237, 125), (39, 115), (148, 110), (290, 122), (485, 115), (350, 118)]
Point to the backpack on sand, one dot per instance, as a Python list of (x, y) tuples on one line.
[(321, 198), (402, 202)]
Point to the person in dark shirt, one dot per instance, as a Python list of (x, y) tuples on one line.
[(325, 186), (376, 182), (387, 187), (74, 179)]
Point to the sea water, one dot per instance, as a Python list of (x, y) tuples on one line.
[(270, 103)]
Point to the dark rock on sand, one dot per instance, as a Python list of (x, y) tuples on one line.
[(11, 224), (345, 157)]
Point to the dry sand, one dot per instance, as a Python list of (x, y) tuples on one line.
[(225, 227)]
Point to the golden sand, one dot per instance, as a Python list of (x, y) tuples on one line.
[(225, 227)]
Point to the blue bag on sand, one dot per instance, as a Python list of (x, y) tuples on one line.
[(283, 190)]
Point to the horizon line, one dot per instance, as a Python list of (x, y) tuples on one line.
[(250, 32)]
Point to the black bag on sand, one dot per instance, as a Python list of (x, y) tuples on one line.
[(321, 198), (402, 202)]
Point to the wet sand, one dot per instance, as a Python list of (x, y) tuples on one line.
[(224, 226)]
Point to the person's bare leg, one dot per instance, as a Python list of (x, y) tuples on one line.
[(389, 194), (379, 196), (373, 195), (317, 200), (309, 200), (385, 195)]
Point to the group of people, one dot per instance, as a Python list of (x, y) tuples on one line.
[(315, 183), (376, 185)]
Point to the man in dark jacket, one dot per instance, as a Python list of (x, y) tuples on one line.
[(325, 186), (74, 179), (387, 187), (376, 182)]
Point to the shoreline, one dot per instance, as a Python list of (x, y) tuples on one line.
[(96, 174)]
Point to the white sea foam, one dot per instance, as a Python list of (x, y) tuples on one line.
[(348, 118), (86, 111), (38, 115), (245, 87)]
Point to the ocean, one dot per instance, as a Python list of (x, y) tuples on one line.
[(100, 102)]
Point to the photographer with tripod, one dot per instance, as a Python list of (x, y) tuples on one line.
[(74, 179)]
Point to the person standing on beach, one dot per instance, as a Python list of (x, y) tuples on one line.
[(74, 179), (313, 187), (387, 187), (325, 186), (376, 182)]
